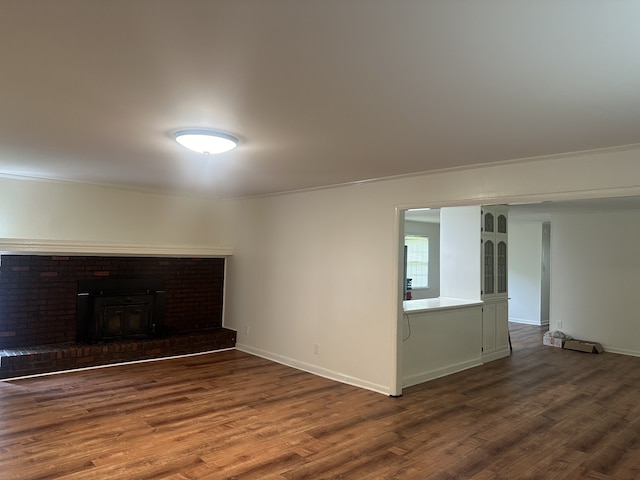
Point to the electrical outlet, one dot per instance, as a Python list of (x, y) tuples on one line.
[(559, 325), (246, 329), (316, 349)]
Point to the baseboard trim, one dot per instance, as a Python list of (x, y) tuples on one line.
[(490, 357), (621, 351), (314, 369), (528, 322)]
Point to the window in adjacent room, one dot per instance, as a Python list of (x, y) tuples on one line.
[(417, 260)]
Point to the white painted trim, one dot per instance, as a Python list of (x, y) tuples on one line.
[(525, 321), (397, 344), (462, 168), (621, 351), (490, 357), (63, 247), (563, 195), (314, 369), (440, 372), (225, 297), (110, 186)]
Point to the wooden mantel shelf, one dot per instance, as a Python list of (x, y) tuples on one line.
[(63, 247)]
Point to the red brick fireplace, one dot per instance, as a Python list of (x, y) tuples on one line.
[(39, 309)]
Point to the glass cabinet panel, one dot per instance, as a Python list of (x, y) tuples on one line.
[(502, 267), (502, 224), (488, 267), (488, 222)]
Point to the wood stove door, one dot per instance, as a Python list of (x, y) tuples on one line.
[(113, 318), (120, 317), (138, 320)]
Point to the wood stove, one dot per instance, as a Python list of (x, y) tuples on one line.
[(113, 309)]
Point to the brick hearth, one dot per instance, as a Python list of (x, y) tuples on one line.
[(16, 362)]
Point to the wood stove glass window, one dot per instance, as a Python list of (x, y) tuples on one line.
[(125, 316)]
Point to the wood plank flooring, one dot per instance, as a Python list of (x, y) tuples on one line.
[(543, 413)]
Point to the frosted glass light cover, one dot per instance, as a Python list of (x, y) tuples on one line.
[(206, 141)]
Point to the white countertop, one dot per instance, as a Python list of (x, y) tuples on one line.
[(440, 303)]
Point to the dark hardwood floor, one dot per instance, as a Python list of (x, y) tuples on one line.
[(543, 413)]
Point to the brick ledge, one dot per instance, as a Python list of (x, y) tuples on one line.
[(17, 362)]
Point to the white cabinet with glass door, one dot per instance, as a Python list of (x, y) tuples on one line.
[(494, 282)]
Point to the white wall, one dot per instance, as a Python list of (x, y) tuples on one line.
[(460, 250), (525, 272), (595, 274), (49, 210), (431, 230), (304, 272)]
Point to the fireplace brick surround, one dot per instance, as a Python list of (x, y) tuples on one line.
[(38, 310)]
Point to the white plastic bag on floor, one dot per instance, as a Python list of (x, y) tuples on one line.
[(558, 334)]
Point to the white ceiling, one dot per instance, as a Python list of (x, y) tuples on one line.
[(319, 92)]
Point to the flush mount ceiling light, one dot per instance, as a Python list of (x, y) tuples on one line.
[(206, 141)]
